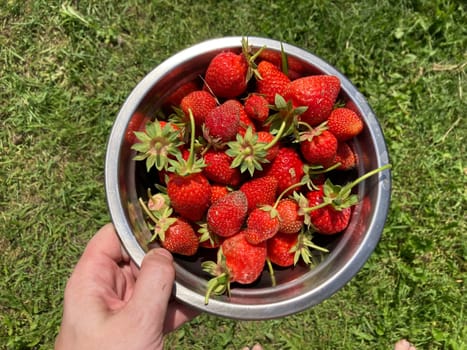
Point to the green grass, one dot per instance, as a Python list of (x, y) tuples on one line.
[(65, 70)]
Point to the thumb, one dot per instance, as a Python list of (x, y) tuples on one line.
[(153, 287)]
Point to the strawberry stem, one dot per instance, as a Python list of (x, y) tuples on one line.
[(271, 272), (350, 185), (323, 171), (217, 286), (277, 137), (191, 157), (147, 211), (340, 200)]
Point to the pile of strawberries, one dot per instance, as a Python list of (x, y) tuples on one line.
[(243, 158)]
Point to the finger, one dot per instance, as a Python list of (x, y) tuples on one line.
[(105, 242), (177, 315), (403, 344), (153, 287)]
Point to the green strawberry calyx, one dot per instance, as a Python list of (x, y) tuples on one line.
[(183, 167), (341, 197), (251, 58), (285, 113), (248, 154), (220, 283), (157, 144), (302, 249)]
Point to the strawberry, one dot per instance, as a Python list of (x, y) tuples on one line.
[(257, 107), (223, 121), (245, 261), (291, 221), (245, 121), (180, 238), (345, 156), (190, 195), (327, 220), (188, 189), (287, 249), (262, 224), (280, 249), (291, 66), (268, 138), (174, 99), (330, 205), (225, 217), (137, 122), (260, 191), (226, 75), (200, 102), (287, 168), (344, 124), (273, 81), (352, 106), (218, 168), (238, 261), (218, 191), (316, 92), (318, 146), (173, 233)]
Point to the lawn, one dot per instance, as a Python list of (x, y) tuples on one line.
[(66, 69)]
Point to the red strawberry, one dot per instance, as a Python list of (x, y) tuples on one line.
[(218, 191), (327, 220), (218, 168), (226, 75), (200, 102), (190, 195), (273, 81), (280, 249), (226, 216), (286, 249), (180, 238), (345, 156), (262, 224), (174, 99), (318, 147), (222, 122), (244, 261), (330, 205), (351, 105), (287, 168), (257, 107), (291, 221), (238, 261), (267, 138), (295, 67), (137, 123), (188, 189), (260, 191), (344, 123), (316, 92), (245, 121)]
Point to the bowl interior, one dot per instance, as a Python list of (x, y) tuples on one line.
[(297, 288)]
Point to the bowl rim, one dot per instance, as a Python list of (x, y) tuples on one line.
[(220, 307)]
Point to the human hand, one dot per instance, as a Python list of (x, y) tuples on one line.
[(111, 304)]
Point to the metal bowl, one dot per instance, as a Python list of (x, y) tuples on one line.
[(297, 289)]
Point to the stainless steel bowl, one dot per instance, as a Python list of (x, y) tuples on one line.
[(297, 289)]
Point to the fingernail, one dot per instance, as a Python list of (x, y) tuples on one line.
[(161, 252)]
